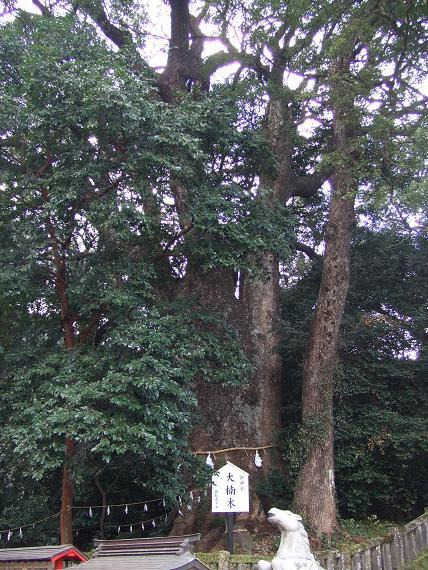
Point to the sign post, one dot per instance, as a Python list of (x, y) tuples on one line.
[(229, 527), (230, 494)]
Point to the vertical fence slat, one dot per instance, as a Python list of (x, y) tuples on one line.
[(395, 555), (406, 548), (367, 562), (375, 558), (425, 534), (414, 543), (419, 539), (386, 556), (356, 561)]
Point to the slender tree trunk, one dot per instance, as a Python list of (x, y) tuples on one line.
[(315, 496), (66, 520), (67, 322), (103, 493)]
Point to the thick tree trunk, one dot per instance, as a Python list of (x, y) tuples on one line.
[(250, 415), (315, 496)]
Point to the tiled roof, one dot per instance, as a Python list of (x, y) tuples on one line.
[(157, 553), (33, 552), (144, 562), (169, 545)]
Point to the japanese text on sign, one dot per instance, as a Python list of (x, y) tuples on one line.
[(230, 490)]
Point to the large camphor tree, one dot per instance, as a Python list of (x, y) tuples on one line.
[(147, 213)]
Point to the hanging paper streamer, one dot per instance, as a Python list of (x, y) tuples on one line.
[(183, 504), (165, 520), (257, 459), (209, 461)]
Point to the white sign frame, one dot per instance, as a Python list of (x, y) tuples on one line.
[(230, 490)]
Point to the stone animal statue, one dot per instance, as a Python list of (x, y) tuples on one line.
[(294, 552)]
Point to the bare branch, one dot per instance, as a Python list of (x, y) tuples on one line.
[(43, 9), (309, 251), (308, 185), (96, 11)]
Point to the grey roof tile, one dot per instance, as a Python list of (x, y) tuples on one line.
[(143, 562), (33, 552)]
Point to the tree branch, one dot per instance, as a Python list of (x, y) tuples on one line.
[(93, 323), (307, 186), (43, 9), (95, 10), (174, 240), (310, 252)]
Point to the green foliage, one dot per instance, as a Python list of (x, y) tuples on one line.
[(213, 558), (274, 491), (131, 394), (420, 563), (368, 529), (87, 156)]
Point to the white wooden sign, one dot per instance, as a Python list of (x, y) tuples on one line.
[(230, 490)]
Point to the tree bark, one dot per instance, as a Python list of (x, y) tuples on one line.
[(315, 496), (103, 493), (67, 323), (66, 519), (61, 283), (249, 415)]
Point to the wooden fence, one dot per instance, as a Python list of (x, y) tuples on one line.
[(393, 552)]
